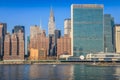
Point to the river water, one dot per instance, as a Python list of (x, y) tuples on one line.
[(59, 72)]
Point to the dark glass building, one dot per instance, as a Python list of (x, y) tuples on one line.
[(17, 28), (87, 29), (3, 30), (108, 34)]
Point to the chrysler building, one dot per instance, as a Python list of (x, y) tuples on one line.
[(51, 23)]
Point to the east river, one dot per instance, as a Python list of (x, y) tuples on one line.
[(59, 72)]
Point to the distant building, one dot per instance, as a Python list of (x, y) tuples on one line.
[(86, 29), (39, 44), (20, 32), (67, 26), (21, 43), (117, 38), (64, 45), (108, 33), (57, 36), (51, 33), (34, 30), (14, 46), (17, 28), (28, 46), (57, 33), (37, 54), (7, 45), (3, 30), (51, 23)]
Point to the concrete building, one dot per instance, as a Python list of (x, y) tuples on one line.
[(64, 45), (108, 33), (86, 29), (117, 38), (67, 26), (3, 30), (34, 30)]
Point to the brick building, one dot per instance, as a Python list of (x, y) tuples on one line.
[(14, 46), (39, 45), (64, 45)]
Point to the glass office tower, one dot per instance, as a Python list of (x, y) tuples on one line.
[(108, 34), (87, 29)]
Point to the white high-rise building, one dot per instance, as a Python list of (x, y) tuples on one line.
[(51, 23), (67, 26)]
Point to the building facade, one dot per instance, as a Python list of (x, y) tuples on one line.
[(67, 26), (86, 29), (108, 33), (14, 46), (64, 45), (39, 45), (7, 49), (117, 38), (34, 30), (3, 30)]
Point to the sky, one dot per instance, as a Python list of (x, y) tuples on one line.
[(32, 12)]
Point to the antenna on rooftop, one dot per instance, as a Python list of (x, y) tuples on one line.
[(40, 24)]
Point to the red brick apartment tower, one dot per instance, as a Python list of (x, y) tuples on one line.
[(64, 45), (20, 49), (39, 45), (14, 46), (43, 43), (7, 48)]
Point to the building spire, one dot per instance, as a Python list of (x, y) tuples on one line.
[(51, 23), (51, 12)]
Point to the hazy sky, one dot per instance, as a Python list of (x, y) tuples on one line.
[(30, 12)]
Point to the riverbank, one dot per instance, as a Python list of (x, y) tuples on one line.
[(58, 62)]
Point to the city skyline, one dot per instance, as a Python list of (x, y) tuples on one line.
[(29, 13)]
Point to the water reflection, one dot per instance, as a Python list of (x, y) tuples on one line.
[(13, 72), (49, 72), (84, 72), (58, 72), (117, 73)]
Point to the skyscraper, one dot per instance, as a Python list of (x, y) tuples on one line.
[(87, 29), (34, 30), (117, 38), (7, 45), (57, 36), (14, 46), (3, 30), (64, 45), (51, 32), (39, 45), (17, 28), (108, 36), (67, 26), (51, 23)]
